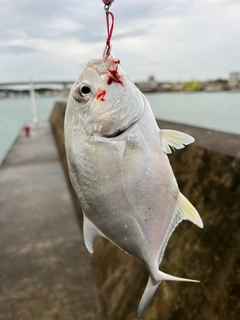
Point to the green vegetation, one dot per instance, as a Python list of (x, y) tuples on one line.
[(192, 86)]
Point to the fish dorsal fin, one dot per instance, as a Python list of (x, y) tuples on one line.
[(187, 211), (174, 139), (184, 211), (90, 233)]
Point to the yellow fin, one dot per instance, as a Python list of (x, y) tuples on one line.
[(188, 212), (174, 139)]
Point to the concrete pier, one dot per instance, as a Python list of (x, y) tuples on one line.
[(208, 174), (44, 267)]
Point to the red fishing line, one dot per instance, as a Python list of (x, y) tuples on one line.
[(110, 26)]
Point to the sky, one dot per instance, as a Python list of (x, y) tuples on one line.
[(173, 40)]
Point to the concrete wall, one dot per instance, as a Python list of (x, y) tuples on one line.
[(208, 173)]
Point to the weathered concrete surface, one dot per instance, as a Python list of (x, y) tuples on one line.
[(44, 269), (208, 173)]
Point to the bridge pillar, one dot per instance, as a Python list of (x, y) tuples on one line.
[(33, 102), (65, 90)]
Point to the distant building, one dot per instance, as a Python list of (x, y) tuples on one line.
[(164, 86), (148, 86), (177, 86), (215, 85), (234, 80)]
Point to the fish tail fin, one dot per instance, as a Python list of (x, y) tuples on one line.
[(168, 277), (151, 288), (147, 296)]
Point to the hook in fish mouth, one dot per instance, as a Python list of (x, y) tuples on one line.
[(118, 133)]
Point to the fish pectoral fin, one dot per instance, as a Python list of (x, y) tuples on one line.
[(147, 296), (188, 212), (172, 139), (90, 233)]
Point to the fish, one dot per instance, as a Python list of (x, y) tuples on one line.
[(119, 168)]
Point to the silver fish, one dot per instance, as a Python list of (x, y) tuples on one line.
[(119, 168)]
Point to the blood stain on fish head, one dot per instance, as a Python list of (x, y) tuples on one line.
[(100, 94), (114, 77)]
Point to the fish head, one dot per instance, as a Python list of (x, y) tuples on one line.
[(104, 101)]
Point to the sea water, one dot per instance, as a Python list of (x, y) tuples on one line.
[(15, 113), (219, 111)]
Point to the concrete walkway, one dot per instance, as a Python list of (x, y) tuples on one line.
[(44, 267)]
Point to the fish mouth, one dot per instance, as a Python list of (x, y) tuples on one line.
[(119, 132)]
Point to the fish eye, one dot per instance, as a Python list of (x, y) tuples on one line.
[(85, 89), (83, 92)]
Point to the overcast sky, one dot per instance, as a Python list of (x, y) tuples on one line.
[(170, 39)]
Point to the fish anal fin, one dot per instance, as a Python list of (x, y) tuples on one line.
[(172, 139), (90, 233), (187, 211), (147, 296)]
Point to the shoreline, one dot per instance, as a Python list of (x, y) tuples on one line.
[(60, 95)]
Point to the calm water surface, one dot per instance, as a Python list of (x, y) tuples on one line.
[(14, 113), (219, 111)]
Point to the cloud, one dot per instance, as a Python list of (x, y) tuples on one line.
[(16, 50), (171, 39)]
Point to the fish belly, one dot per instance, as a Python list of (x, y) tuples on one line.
[(129, 194), (96, 172)]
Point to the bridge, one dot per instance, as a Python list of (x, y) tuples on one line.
[(25, 83), (31, 83)]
